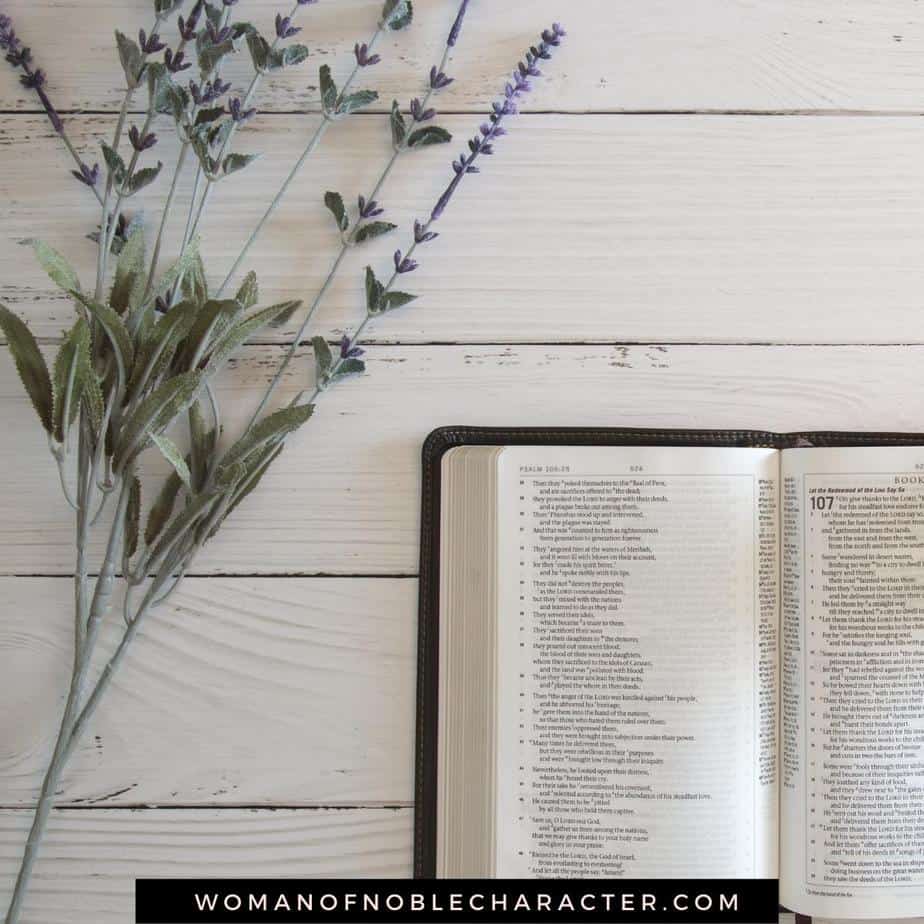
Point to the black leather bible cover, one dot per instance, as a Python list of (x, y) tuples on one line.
[(444, 439)]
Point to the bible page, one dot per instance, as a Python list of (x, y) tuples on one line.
[(637, 662), (852, 775)]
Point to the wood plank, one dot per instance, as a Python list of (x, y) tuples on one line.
[(635, 54), (593, 228), (90, 860), (240, 692), (344, 497)]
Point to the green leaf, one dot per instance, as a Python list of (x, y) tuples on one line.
[(349, 366), (114, 163), (429, 134), (159, 81), (328, 90), (56, 266), (398, 125), (334, 202), (172, 454), (68, 378), (164, 8), (202, 445), (115, 330), (195, 287), (253, 475), (130, 276), (292, 55), (30, 364), (271, 429), (285, 315), (210, 55), (323, 360), (259, 50), (130, 58), (155, 414), (374, 291), (197, 508), (163, 507), (237, 335), (372, 230), (159, 346), (234, 162), (353, 102), (397, 300), (92, 394), (176, 101), (212, 320), (132, 520), (186, 260), (204, 116), (141, 178), (397, 14), (249, 292)]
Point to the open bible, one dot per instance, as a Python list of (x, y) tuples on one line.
[(675, 654)]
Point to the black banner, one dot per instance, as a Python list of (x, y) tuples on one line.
[(727, 901)]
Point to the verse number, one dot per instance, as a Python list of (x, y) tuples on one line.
[(822, 502)]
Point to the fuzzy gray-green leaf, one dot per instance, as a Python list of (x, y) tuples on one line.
[(285, 315), (373, 229), (374, 290), (249, 293), (259, 51), (237, 335), (211, 321), (30, 364), (128, 285), (394, 300), (272, 428), (114, 163), (60, 271), (172, 454), (68, 378), (163, 507), (323, 360), (160, 344), (115, 330), (334, 202), (397, 14), (132, 519), (186, 259), (353, 102), (429, 134), (195, 287), (130, 58), (349, 366), (154, 415), (328, 90), (202, 442), (398, 125), (210, 55), (236, 162), (141, 178)]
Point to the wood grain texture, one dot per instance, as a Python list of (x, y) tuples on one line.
[(90, 859), (593, 228), (343, 498), (630, 54), (240, 692)]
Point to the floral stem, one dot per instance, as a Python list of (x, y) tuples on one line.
[(171, 195), (309, 148), (82, 657)]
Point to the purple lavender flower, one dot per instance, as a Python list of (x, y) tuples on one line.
[(141, 142), (174, 61), (229, 2), (87, 175), (363, 58), (20, 57), (188, 26), (305, 2), (216, 35), (347, 350), (150, 44), (419, 113), (237, 111), (438, 80), (483, 143), (368, 209), (284, 27), (404, 264), (457, 25), (422, 235), (208, 92)]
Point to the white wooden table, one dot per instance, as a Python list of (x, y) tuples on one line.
[(711, 214)]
